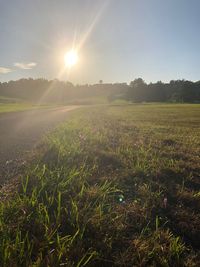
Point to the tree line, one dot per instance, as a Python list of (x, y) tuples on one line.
[(174, 91), (55, 91)]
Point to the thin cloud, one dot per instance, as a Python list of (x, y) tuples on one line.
[(25, 66), (5, 70)]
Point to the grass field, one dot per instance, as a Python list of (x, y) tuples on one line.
[(8, 104), (9, 100), (15, 107), (114, 186), (14, 104)]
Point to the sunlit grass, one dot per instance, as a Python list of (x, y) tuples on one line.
[(12, 107), (95, 194)]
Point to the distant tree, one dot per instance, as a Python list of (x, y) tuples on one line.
[(188, 92), (156, 92), (137, 90)]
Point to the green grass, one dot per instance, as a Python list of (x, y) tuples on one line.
[(88, 101), (13, 107), (94, 196), (8, 104), (4, 100)]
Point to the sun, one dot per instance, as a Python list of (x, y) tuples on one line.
[(71, 58)]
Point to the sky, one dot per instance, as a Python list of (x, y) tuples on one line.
[(116, 40)]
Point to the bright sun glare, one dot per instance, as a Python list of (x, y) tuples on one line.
[(71, 58)]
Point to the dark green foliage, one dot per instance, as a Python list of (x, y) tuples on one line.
[(44, 91), (58, 92), (175, 91)]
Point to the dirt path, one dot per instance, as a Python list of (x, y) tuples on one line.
[(21, 131)]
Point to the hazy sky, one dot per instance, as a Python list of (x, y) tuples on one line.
[(118, 40)]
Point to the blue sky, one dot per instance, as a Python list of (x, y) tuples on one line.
[(118, 40)]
